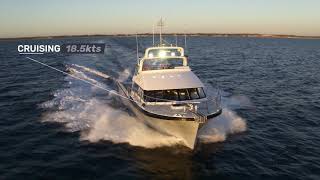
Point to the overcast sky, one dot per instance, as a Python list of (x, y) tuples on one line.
[(19, 18)]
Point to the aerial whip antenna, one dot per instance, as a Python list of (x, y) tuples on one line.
[(160, 24), (153, 34), (185, 41), (137, 48), (176, 39)]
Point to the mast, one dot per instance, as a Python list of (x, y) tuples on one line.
[(153, 34), (160, 24), (137, 47), (185, 41), (176, 40)]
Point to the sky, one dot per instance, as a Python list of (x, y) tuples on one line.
[(27, 18)]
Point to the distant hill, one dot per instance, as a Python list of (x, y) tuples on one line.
[(179, 34)]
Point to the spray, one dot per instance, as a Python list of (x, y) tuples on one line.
[(79, 110)]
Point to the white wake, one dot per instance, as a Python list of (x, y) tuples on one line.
[(96, 119), (78, 109), (217, 129)]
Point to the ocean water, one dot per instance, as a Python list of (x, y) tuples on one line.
[(55, 127)]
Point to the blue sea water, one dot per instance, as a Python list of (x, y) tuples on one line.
[(55, 127)]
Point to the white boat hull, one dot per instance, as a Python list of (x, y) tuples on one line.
[(182, 129)]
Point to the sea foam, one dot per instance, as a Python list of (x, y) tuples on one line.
[(78, 109)]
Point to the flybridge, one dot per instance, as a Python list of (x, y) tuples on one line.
[(164, 52), (163, 49)]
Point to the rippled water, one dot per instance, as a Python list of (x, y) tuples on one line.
[(55, 127)]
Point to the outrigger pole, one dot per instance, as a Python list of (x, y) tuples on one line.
[(185, 41), (176, 39), (160, 24), (83, 80), (153, 34), (137, 48)]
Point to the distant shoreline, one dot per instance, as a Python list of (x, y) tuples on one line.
[(172, 34)]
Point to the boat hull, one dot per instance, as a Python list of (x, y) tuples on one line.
[(186, 130)]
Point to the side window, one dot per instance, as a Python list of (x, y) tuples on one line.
[(171, 95), (153, 96), (174, 94), (147, 95), (201, 93), (136, 70), (140, 92), (135, 87), (193, 93), (183, 94), (158, 95)]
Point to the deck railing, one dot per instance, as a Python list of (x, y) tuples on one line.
[(201, 108)]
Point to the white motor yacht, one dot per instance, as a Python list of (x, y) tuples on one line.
[(168, 96)]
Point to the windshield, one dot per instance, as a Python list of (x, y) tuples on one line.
[(161, 63), (174, 95), (164, 52)]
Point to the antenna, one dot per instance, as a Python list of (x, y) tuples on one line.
[(137, 48), (160, 24), (153, 34), (176, 39), (185, 41)]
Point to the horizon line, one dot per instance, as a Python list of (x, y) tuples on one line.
[(148, 34)]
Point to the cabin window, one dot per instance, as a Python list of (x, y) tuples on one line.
[(159, 63), (193, 93), (137, 91), (201, 93), (174, 95), (183, 94), (171, 95), (140, 93), (136, 70), (135, 87), (153, 96), (164, 52)]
